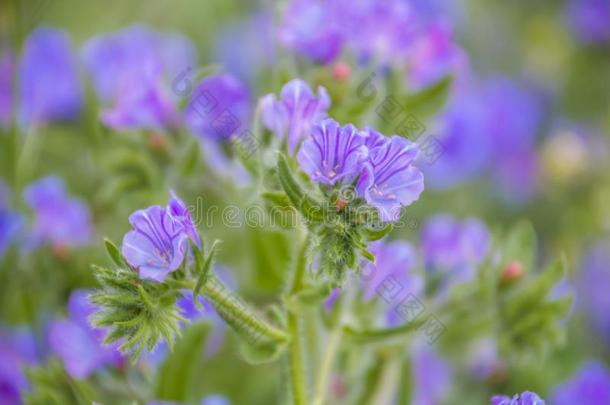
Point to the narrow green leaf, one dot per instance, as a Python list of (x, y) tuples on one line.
[(373, 233), (114, 253), (203, 269), (291, 187)]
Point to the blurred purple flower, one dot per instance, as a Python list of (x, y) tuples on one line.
[(49, 88), (388, 180), (78, 344), (454, 247), (431, 375), (590, 386), (219, 108), (17, 350), (589, 19), (312, 28), (525, 398), (332, 153), (10, 225), (215, 400), (593, 296), (7, 67), (293, 115), (59, 218), (131, 71), (157, 245)]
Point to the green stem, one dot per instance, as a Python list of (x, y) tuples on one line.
[(234, 310), (326, 366), (296, 346)]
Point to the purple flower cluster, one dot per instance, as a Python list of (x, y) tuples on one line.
[(77, 343), (388, 32), (131, 71), (588, 20), (381, 168), (158, 243), (59, 219), (525, 398)]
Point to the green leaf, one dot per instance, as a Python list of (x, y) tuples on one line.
[(520, 245), (428, 100), (203, 268), (114, 253), (175, 375), (312, 210), (189, 161)]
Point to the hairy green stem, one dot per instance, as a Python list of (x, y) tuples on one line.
[(296, 346), (326, 366)]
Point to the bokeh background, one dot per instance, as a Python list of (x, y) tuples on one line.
[(525, 130)]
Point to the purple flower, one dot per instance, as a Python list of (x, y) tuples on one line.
[(49, 88), (432, 377), (77, 343), (454, 247), (389, 180), (59, 219), (589, 19), (295, 112), (180, 213), (313, 29), (7, 67), (215, 400), (131, 71), (219, 108), (590, 386), (593, 294), (526, 398), (332, 153), (157, 245), (17, 350), (10, 225)]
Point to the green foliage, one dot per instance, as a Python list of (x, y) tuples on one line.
[(51, 385), (177, 371), (203, 267), (138, 313)]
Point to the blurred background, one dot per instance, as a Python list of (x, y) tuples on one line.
[(524, 132)]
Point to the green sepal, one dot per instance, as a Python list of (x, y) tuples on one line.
[(375, 233), (291, 187), (114, 253), (202, 268)]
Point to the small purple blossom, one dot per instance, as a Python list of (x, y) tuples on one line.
[(7, 71), (219, 108), (525, 398), (49, 88), (592, 284), (454, 247), (589, 386), (389, 180), (131, 71), (78, 344), (332, 154), (59, 218), (157, 245), (293, 115)]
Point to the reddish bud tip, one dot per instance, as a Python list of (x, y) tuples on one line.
[(60, 251), (157, 141), (341, 204), (341, 71), (512, 271)]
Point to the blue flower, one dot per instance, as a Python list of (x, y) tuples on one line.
[(590, 386)]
